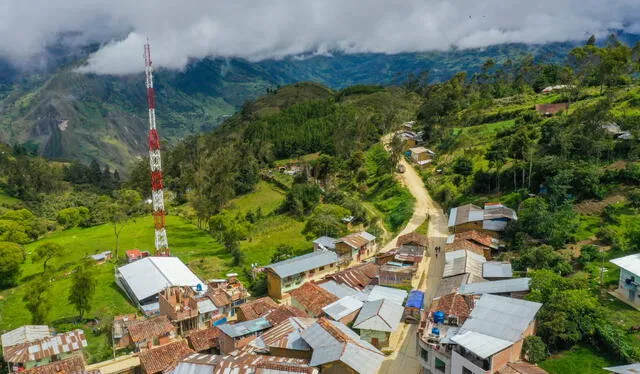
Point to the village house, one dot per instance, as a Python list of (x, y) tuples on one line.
[(413, 308), (464, 262), (356, 247), (71, 365), (204, 341), (475, 241), (337, 349), (311, 298), (227, 295), (120, 330), (409, 138), (488, 339), (244, 363), (144, 279), (236, 336), (629, 281), (31, 346), (325, 242), (515, 287), (413, 240), (165, 358), (377, 320), (285, 339), (351, 280), (397, 275), (186, 309), (491, 219), (616, 132), (151, 332), (101, 258), (344, 310), (136, 254), (495, 270), (285, 276), (421, 156), (551, 109), (256, 308)]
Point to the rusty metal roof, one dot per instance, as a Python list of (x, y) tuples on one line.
[(43, 348)]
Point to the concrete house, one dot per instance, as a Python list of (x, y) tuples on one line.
[(356, 247), (120, 330), (377, 320), (491, 219), (235, 336), (285, 276), (336, 349), (186, 308), (494, 270), (311, 298), (227, 294), (152, 332), (421, 156), (629, 283), (32, 346), (515, 287)]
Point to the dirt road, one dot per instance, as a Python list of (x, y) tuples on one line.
[(405, 357)]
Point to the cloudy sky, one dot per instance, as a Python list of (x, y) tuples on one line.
[(181, 30)]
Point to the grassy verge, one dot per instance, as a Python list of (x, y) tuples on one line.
[(580, 359)]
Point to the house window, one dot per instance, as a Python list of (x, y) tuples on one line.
[(466, 371), (440, 365), (331, 265), (321, 268), (424, 354)]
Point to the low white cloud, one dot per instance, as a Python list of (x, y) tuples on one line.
[(258, 29)]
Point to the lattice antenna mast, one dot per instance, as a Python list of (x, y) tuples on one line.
[(157, 184)]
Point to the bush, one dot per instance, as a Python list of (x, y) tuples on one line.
[(463, 166), (534, 349)]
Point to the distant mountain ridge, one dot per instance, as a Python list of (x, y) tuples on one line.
[(66, 115)]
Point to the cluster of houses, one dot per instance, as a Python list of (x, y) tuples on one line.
[(478, 319)]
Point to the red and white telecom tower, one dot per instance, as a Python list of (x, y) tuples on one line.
[(157, 185)]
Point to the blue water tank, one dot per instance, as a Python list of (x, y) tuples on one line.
[(438, 317), (435, 331), (199, 287)]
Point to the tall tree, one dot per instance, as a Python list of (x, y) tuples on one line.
[(37, 301), (46, 252), (126, 204), (83, 287), (10, 260)]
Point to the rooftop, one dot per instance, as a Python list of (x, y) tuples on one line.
[(245, 328), (461, 262), (454, 304), (150, 275), (244, 363), (394, 295), (343, 307), (165, 357), (284, 312), (258, 308), (357, 239), (327, 242), (300, 264), (313, 297), (522, 368), (357, 277), (36, 350), (287, 334), (495, 269), (499, 286), (451, 284), (494, 216), (201, 340), (25, 334), (72, 365), (340, 290), (379, 315), (333, 341), (630, 263), (413, 237), (152, 328)]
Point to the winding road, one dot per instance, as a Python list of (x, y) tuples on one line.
[(405, 357)]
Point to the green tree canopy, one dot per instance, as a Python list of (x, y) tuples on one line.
[(46, 252), (83, 287), (10, 260)]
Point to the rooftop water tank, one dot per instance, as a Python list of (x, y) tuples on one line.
[(435, 331), (199, 287), (438, 317)]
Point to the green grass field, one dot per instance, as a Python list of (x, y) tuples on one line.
[(6, 199), (266, 196), (580, 359)]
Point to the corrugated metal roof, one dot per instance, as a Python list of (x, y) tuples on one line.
[(245, 328), (501, 317), (481, 345), (494, 224), (499, 286), (367, 236), (25, 334), (625, 369), (333, 341), (451, 284), (206, 306), (343, 307), (340, 290), (287, 334), (630, 263), (463, 261), (327, 242), (392, 294), (304, 263), (150, 275), (495, 269), (46, 347), (379, 315), (357, 240)]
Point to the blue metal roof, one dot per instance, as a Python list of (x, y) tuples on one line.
[(416, 299)]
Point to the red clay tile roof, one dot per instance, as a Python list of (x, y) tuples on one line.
[(454, 304), (258, 308), (151, 328), (202, 340), (413, 237), (283, 312), (73, 365), (522, 368), (313, 297), (219, 297), (245, 363), (357, 277), (40, 349), (478, 237), (469, 245), (165, 357)]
